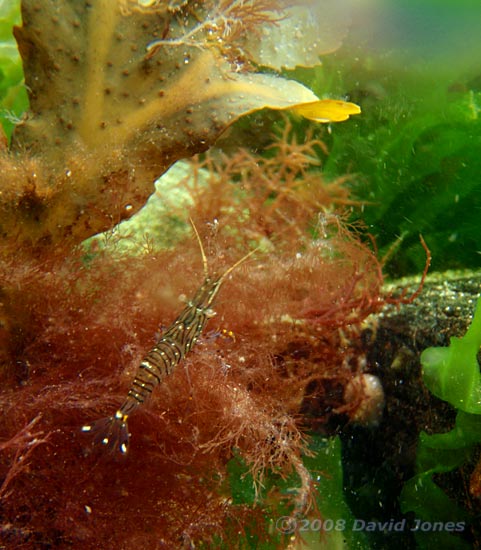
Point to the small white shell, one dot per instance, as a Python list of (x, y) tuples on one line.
[(365, 390)]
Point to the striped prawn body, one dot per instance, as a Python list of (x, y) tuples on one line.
[(172, 347), (175, 342)]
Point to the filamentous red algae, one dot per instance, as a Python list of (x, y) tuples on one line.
[(281, 326), (118, 92)]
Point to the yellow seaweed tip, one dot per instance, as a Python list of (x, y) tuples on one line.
[(327, 110)]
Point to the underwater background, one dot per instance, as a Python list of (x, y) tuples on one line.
[(414, 69), (408, 472)]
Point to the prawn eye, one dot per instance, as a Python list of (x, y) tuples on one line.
[(225, 333)]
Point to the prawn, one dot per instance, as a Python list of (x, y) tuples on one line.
[(174, 344)]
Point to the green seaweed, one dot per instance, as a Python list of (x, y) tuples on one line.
[(325, 466), (332, 527), (452, 374), (423, 497), (414, 153), (13, 96), (423, 161)]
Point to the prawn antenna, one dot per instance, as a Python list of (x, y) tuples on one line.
[(242, 260), (204, 257), (202, 251)]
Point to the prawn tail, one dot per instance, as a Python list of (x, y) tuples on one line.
[(112, 432)]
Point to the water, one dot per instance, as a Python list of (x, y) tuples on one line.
[(74, 328)]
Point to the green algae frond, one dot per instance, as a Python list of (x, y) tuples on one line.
[(452, 373)]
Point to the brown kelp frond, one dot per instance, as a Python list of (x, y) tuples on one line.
[(128, 7), (315, 27), (259, 31), (226, 25), (117, 98)]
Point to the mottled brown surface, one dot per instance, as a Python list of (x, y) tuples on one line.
[(108, 115)]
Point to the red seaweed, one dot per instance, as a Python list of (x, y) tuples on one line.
[(276, 347)]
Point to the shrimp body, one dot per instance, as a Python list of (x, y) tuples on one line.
[(175, 342), (160, 362)]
